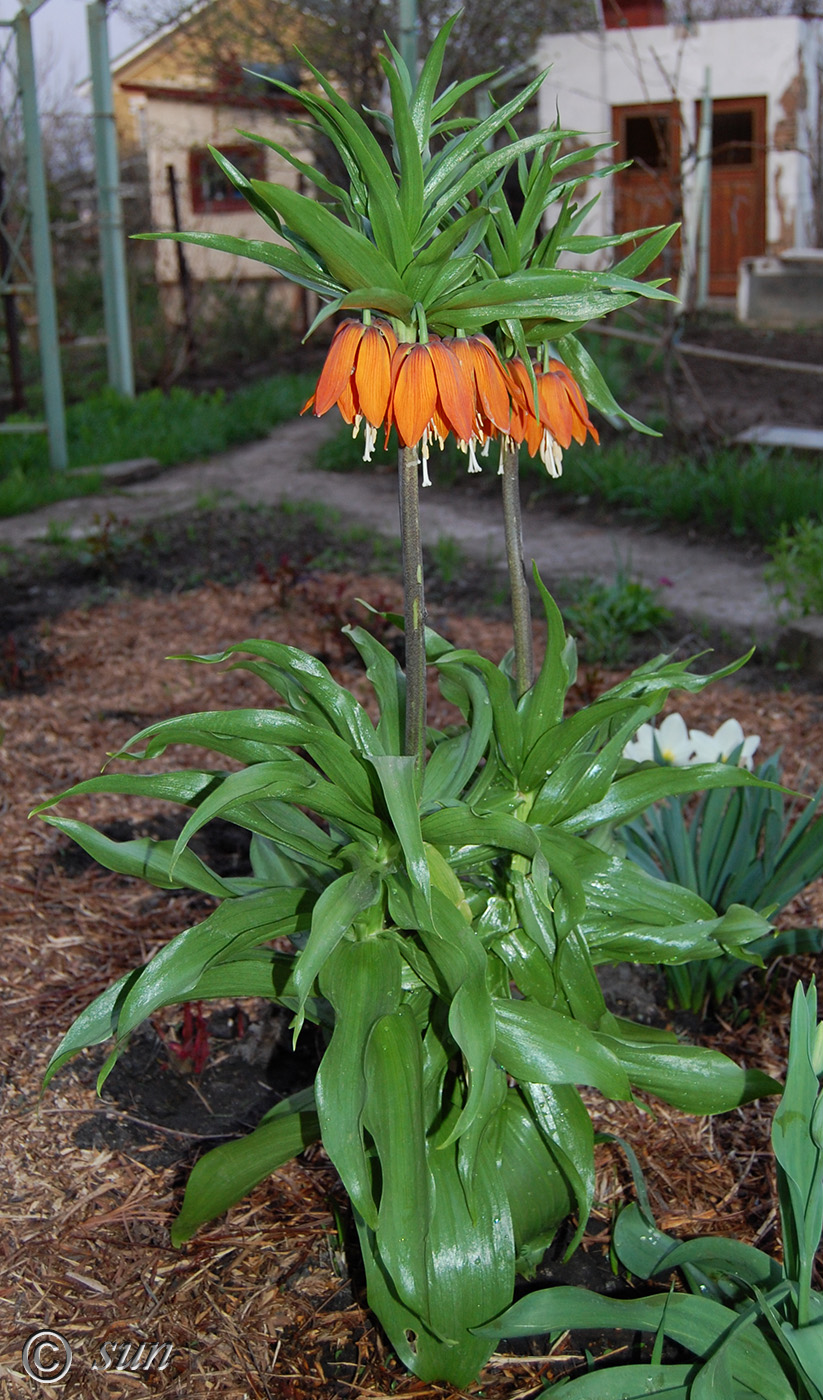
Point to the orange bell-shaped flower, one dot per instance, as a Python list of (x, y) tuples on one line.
[(562, 412), (432, 395), (357, 376), (491, 391)]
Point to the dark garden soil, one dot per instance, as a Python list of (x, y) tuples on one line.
[(268, 1301), (720, 397)]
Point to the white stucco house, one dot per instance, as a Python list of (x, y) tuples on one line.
[(638, 80)]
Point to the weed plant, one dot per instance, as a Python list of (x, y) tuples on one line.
[(749, 846), (606, 617), (749, 494), (797, 567)]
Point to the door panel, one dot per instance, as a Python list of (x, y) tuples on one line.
[(738, 195), (648, 191)]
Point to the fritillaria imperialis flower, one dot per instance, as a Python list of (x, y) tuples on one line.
[(563, 414), (492, 411), (429, 389), (357, 377), (432, 395)]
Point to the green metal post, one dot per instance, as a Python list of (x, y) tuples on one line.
[(407, 26), (47, 334), (112, 246)]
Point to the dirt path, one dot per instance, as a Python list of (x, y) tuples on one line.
[(720, 594)]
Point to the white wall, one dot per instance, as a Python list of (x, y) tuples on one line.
[(773, 57)]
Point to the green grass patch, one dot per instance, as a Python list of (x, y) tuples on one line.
[(743, 492), (748, 493), (174, 427)]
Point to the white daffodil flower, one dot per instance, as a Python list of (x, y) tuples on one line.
[(718, 747), (673, 743)]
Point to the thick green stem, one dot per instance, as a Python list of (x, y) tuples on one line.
[(414, 608), (521, 606)]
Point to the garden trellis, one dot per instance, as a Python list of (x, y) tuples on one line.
[(26, 266)]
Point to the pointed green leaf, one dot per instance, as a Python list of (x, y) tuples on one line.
[(393, 1116), (633, 794), (422, 110), (350, 257), (544, 1047), (362, 982), (690, 1077), (232, 927), (697, 1323), (333, 915), (292, 265), (398, 779), (145, 860), (98, 1022), (409, 162), (226, 1174)]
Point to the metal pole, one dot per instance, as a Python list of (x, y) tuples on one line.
[(407, 26), (47, 334), (112, 246), (704, 186), (18, 398)]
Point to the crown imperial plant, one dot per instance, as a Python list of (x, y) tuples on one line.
[(444, 895)]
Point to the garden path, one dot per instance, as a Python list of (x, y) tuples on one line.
[(719, 592)]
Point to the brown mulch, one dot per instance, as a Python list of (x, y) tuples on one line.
[(259, 1304)]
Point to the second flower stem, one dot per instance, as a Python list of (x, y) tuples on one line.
[(413, 604), (521, 605)]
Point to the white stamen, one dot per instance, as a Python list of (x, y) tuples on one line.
[(424, 455), (551, 455), (355, 426), (474, 465), (370, 434)]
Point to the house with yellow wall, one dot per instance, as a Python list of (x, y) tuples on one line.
[(177, 93)]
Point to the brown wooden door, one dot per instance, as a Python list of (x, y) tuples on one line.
[(738, 208), (648, 191)]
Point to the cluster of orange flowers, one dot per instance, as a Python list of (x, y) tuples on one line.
[(460, 386)]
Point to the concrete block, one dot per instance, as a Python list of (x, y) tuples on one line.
[(782, 292), (782, 435), (125, 472)]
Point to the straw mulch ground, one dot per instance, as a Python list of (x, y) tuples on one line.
[(261, 1303)]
